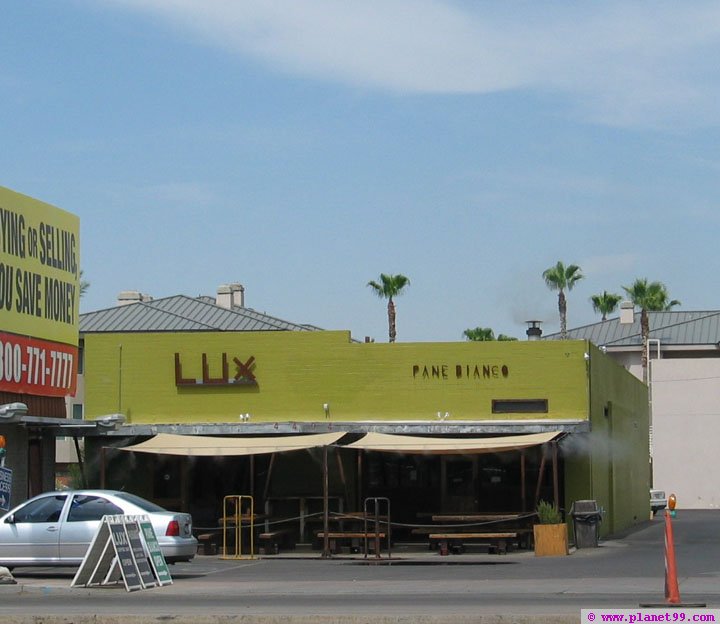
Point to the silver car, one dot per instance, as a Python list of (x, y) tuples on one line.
[(56, 528)]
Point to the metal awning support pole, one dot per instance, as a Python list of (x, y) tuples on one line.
[(80, 461), (541, 474), (326, 518), (102, 467), (523, 494), (360, 454), (252, 476), (556, 486), (443, 482), (266, 492), (341, 470)]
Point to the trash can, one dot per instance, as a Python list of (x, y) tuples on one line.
[(586, 518)]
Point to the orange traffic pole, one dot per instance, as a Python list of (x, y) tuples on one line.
[(672, 591)]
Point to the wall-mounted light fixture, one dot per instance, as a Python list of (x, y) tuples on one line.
[(244, 417), (11, 412), (326, 409), (443, 415)]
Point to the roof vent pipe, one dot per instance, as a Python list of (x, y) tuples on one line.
[(533, 331)]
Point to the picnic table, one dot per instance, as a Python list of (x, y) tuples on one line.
[(473, 517), (499, 530), (358, 527)]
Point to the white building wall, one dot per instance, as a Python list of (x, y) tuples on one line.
[(686, 430), (65, 447)]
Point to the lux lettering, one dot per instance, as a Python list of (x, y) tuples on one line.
[(244, 373)]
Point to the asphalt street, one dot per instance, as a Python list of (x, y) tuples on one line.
[(417, 586)]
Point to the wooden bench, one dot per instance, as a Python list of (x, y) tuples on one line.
[(498, 522), (269, 542), (208, 543), (454, 542), (354, 536)]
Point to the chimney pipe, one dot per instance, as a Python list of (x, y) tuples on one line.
[(238, 295), (224, 296), (627, 313), (533, 331)]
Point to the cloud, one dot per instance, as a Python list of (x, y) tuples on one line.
[(620, 62)]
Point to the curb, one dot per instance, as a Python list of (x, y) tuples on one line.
[(288, 619)]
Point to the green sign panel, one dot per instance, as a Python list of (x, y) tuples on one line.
[(156, 557)]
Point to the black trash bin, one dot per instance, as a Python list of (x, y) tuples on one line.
[(586, 523)]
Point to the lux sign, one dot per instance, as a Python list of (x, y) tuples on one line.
[(244, 375)]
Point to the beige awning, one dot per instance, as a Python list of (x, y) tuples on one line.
[(209, 446), (393, 443)]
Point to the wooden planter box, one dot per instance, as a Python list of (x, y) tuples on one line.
[(551, 540)]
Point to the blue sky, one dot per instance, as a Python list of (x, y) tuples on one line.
[(302, 148)]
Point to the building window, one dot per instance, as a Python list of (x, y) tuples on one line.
[(77, 412), (520, 406)]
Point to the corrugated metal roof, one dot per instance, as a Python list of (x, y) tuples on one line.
[(181, 313), (671, 328)]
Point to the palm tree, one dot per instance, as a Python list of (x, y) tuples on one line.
[(84, 284), (390, 286), (479, 334), (649, 297), (485, 334), (606, 303), (561, 278)]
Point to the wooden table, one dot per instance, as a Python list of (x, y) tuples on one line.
[(496, 526), (472, 517)]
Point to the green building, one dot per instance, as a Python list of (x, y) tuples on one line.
[(501, 424)]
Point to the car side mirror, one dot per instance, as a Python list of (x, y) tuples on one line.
[(10, 519)]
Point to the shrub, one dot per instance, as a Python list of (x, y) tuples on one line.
[(548, 513)]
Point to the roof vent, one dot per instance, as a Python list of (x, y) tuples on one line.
[(533, 331), (126, 297), (627, 313)]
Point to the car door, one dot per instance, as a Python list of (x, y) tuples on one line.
[(30, 534), (81, 524)]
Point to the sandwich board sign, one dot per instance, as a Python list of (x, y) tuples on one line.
[(120, 552), (132, 529), (5, 488), (157, 560)]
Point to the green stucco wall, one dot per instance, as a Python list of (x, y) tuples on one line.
[(610, 464), (298, 372)]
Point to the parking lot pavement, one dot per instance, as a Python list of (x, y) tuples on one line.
[(620, 573)]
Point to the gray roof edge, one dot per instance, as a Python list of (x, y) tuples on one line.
[(486, 427), (119, 316), (612, 325)]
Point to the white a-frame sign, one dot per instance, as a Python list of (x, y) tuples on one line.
[(124, 548)]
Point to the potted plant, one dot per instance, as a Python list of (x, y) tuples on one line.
[(551, 534)]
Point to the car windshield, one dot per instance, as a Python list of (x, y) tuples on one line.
[(145, 505)]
